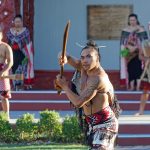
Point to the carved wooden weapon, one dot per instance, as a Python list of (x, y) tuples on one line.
[(65, 38)]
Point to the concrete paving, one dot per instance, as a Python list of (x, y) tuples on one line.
[(124, 117), (132, 119), (17, 114), (133, 148)]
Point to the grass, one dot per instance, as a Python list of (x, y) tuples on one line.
[(43, 147)]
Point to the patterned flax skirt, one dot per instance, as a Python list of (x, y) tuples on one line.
[(103, 131)]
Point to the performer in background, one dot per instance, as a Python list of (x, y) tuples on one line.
[(131, 66), (6, 62), (95, 95), (19, 39), (145, 78)]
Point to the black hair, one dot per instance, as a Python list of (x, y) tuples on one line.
[(91, 43), (18, 16), (135, 16)]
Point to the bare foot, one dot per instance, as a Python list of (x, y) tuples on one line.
[(138, 114)]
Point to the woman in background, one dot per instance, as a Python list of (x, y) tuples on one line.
[(131, 66), (19, 39)]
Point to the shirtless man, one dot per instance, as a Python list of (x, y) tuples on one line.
[(95, 94), (6, 62), (145, 77)]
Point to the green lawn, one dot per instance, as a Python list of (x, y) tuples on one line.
[(43, 147)]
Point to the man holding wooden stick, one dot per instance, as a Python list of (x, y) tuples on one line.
[(6, 62), (95, 96)]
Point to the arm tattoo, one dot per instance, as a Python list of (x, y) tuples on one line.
[(90, 91)]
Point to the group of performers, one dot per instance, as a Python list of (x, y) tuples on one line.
[(94, 91)]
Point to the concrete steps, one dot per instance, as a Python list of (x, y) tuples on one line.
[(41, 100), (129, 101), (132, 130)]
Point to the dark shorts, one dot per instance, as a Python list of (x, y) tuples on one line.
[(4, 85), (5, 94)]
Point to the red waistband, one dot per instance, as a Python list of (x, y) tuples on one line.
[(5, 94), (100, 116)]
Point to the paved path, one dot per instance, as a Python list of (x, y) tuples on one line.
[(124, 119), (131, 119)]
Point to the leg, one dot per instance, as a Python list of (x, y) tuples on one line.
[(138, 83), (132, 85), (19, 87), (5, 105), (144, 98)]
